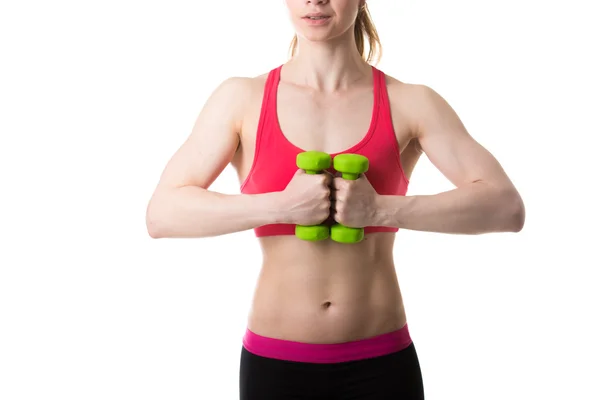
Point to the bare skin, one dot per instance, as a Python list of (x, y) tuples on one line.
[(327, 292)]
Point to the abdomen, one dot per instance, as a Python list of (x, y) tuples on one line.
[(327, 292)]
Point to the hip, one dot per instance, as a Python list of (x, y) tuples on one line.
[(376, 367)]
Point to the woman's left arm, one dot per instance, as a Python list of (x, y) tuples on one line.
[(485, 200)]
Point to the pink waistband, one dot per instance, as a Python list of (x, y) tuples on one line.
[(375, 346)]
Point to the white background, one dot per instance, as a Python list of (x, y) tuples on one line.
[(96, 96)]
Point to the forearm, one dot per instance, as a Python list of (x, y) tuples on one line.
[(193, 212), (472, 209)]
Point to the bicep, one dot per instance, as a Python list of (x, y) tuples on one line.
[(212, 143), (452, 150)]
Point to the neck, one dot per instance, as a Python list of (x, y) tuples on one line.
[(328, 66)]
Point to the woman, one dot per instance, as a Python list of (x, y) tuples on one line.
[(327, 320)]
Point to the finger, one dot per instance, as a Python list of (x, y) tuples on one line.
[(339, 183), (336, 217)]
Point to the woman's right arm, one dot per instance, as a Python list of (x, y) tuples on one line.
[(181, 205)]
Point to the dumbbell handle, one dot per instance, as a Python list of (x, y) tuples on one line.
[(314, 163), (350, 167), (350, 176)]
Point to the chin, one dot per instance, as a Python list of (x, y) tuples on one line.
[(317, 36)]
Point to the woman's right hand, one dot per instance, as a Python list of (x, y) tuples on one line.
[(306, 199)]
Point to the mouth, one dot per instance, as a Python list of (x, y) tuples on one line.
[(316, 16)]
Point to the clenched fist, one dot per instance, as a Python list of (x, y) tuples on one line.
[(307, 198), (354, 202)]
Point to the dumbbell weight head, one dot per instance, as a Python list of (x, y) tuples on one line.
[(351, 165), (313, 162), (345, 234), (312, 233)]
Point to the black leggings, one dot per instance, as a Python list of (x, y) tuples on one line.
[(395, 376)]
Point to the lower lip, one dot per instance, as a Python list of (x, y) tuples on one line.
[(321, 21)]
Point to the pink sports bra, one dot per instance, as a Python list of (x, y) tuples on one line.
[(274, 161)]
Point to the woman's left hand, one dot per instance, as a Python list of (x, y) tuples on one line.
[(354, 202)]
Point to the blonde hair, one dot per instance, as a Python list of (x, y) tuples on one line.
[(363, 28)]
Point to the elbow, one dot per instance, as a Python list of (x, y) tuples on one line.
[(154, 222), (514, 212), (520, 219), (153, 229)]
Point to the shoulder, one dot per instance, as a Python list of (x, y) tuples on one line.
[(242, 88), (233, 90), (411, 94), (236, 93), (243, 84), (417, 102)]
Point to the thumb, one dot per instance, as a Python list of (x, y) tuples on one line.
[(363, 180)]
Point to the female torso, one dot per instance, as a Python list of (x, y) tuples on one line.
[(325, 292)]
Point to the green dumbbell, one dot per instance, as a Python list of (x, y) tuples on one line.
[(313, 162), (351, 166)]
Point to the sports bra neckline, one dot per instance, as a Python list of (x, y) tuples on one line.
[(365, 138)]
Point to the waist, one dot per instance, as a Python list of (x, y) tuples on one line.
[(369, 347)]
